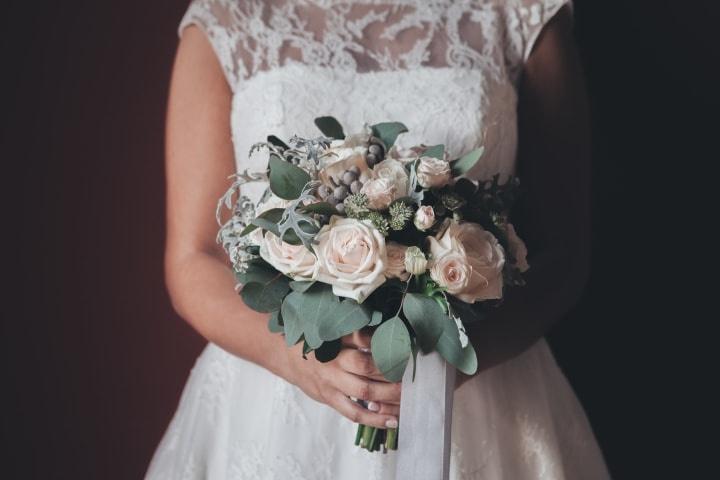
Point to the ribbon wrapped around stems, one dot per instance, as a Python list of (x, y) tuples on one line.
[(426, 406)]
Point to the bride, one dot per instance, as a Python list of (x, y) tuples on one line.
[(463, 73)]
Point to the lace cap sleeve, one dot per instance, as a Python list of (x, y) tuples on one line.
[(218, 19), (532, 16)]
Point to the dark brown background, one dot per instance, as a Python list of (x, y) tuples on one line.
[(94, 356)]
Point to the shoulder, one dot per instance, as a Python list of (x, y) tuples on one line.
[(520, 24), (226, 24)]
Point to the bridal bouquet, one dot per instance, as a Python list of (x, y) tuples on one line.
[(354, 232)]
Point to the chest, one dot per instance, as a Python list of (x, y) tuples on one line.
[(457, 107)]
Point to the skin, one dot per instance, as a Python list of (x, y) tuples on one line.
[(199, 158)]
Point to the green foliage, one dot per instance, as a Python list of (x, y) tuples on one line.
[(448, 345), (390, 346), (275, 324), (436, 151), (286, 180), (298, 286), (356, 205), (320, 316), (426, 317), (328, 350), (388, 132), (267, 221), (265, 297), (272, 139), (257, 270), (349, 317), (330, 127), (321, 208), (379, 222), (463, 164), (400, 214)]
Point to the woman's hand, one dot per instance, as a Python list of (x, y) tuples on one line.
[(351, 374)]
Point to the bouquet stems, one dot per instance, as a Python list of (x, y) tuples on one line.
[(372, 438)]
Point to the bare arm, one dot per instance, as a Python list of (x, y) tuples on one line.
[(199, 159), (553, 212)]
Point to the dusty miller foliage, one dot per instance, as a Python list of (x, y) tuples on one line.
[(294, 219)]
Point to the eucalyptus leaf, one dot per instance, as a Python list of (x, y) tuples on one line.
[(275, 324), (265, 297), (328, 350), (449, 347), (286, 180), (277, 142), (347, 318), (390, 345), (257, 271), (292, 324), (269, 219), (436, 151), (330, 127), (310, 309), (376, 319), (322, 208), (463, 164), (388, 132), (426, 318), (306, 349), (298, 286)]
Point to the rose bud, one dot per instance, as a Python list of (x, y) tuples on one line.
[(424, 218), (415, 261)]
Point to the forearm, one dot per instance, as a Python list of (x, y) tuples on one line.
[(202, 290), (554, 284)]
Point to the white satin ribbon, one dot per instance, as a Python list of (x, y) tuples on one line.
[(426, 419)]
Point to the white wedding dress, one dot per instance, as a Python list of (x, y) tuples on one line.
[(449, 70)]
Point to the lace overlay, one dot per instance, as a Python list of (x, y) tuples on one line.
[(449, 70)]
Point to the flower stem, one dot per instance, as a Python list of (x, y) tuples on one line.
[(359, 433), (391, 440)]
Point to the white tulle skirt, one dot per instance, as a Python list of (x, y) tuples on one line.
[(517, 421)]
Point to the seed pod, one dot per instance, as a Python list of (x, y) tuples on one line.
[(354, 169), (323, 191), (375, 149), (340, 207), (356, 186), (340, 193), (371, 160), (349, 177)]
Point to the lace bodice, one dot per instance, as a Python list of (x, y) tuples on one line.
[(448, 69), (250, 36)]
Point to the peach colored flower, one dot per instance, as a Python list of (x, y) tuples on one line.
[(424, 217), (295, 261), (396, 261), (468, 261), (433, 172), (380, 193), (352, 256)]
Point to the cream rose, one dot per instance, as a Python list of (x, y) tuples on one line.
[(468, 261), (380, 192), (395, 172), (517, 248), (424, 218), (295, 261), (341, 149), (352, 257), (433, 172), (396, 261)]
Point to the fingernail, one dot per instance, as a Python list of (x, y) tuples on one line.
[(373, 406), (392, 423)]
